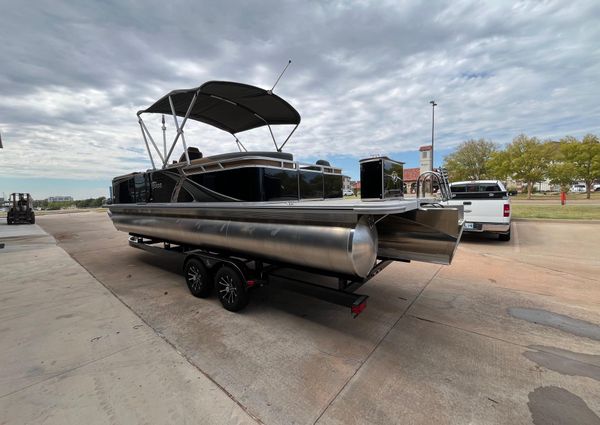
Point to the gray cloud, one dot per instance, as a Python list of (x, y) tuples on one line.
[(73, 74)]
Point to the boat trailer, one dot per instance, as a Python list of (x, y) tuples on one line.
[(233, 277)]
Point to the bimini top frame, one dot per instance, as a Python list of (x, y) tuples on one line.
[(229, 106)]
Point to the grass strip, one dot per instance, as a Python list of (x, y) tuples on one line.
[(570, 212)]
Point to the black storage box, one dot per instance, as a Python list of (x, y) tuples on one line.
[(381, 178)]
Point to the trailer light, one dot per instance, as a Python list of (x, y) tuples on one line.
[(357, 309), (506, 210)]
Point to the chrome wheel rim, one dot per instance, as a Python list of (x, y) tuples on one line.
[(194, 278), (227, 289)]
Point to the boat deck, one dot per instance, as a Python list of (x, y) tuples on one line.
[(322, 210), (360, 206)]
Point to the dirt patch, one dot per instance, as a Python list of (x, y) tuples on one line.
[(64, 236)]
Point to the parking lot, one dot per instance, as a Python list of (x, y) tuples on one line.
[(95, 330)]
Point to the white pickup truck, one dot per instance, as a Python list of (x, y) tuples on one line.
[(486, 206)]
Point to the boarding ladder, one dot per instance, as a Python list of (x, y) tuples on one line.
[(441, 176)]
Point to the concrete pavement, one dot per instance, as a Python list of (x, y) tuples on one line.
[(507, 334), (72, 353)]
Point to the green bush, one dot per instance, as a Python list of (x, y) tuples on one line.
[(58, 205)]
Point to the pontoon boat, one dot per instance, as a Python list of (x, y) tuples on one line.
[(267, 207)]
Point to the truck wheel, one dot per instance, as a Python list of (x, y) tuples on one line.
[(32, 219), (198, 278), (231, 288), (505, 237)]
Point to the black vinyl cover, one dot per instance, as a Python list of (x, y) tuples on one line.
[(229, 106)]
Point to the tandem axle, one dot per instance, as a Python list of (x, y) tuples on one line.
[(234, 276)]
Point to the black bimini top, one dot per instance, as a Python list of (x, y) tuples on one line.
[(229, 106)]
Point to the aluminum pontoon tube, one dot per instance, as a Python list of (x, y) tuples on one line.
[(347, 250)]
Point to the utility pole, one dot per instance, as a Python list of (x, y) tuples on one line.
[(433, 105)]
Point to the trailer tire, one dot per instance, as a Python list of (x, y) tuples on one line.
[(231, 288), (198, 278)]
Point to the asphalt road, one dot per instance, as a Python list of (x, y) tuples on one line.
[(509, 333)]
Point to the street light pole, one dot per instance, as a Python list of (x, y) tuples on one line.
[(433, 105)]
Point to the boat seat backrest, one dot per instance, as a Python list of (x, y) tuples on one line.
[(193, 153), (245, 155)]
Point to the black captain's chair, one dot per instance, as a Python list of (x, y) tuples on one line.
[(193, 153)]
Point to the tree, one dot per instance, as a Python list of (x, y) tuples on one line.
[(90, 202), (470, 160), (526, 159), (584, 157), (560, 171), (98, 202), (40, 203)]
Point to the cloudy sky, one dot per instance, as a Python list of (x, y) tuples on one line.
[(73, 74)]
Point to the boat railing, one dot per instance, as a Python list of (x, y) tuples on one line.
[(257, 161), (299, 171)]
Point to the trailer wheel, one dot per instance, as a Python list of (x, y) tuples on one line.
[(231, 288), (197, 278)]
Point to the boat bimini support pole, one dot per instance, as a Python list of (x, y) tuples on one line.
[(164, 132), (270, 131), (288, 138), (147, 134), (240, 145), (180, 129), (146, 142)]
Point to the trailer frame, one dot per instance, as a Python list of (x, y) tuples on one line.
[(226, 265)]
